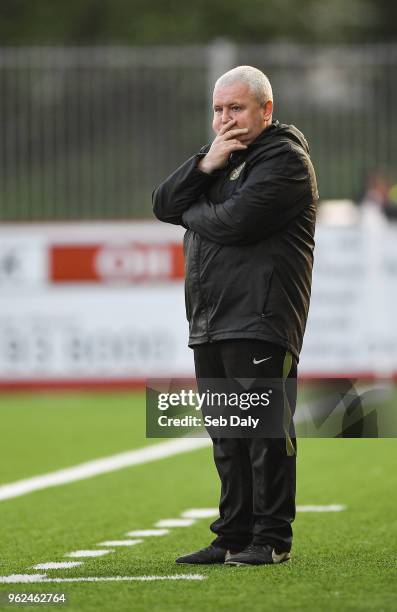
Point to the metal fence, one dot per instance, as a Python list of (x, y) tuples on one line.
[(88, 132)]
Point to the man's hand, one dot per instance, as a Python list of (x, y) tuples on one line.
[(224, 144)]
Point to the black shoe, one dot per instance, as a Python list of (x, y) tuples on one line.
[(205, 556), (257, 555)]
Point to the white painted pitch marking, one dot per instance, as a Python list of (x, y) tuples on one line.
[(180, 522), (196, 513), (145, 533), (88, 553), (119, 543), (210, 512), (24, 578), (57, 565), (330, 508), (105, 465)]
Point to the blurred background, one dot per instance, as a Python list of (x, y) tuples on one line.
[(100, 100)]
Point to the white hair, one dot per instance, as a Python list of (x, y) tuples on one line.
[(256, 80)]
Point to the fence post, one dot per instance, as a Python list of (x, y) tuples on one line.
[(222, 56)]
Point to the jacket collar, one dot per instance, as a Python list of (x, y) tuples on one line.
[(236, 158), (264, 135)]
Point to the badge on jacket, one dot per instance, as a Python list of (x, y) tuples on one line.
[(236, 172)]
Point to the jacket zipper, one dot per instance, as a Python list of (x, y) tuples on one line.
[(201, 290), (202, 295), (265, 301)]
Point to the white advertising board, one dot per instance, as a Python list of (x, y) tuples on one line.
[(351, 326), (65, 318)]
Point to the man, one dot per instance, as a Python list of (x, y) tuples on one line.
[(248, 203)]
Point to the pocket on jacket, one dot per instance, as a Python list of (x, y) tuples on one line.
[(267, 288), (187, 305), (186, 260)]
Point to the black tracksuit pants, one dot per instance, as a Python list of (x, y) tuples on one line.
[(258, 477)]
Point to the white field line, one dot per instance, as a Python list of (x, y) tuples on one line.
[(77, 554), (22, 578), (147, 533), (197, 513), (56, 565), (178, 522), (210, 512), (119, 543), (35, 578), (185, 522), (105, 465), (330, 508)]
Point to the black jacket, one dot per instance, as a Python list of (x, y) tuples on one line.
[(249, 240)]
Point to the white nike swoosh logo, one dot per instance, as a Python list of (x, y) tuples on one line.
[(255, 361)]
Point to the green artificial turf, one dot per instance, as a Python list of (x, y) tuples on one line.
[(46, 431), (341, 561)]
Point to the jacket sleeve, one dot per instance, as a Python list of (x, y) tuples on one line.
[(273, 194), (179, 191)]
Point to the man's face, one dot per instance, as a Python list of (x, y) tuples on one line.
[(237, 102)]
